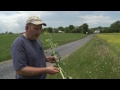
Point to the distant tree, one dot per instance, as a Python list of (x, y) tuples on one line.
[(10, 33), (56, 30), (67, 30), (71, 27), (115, 27), (61, 28), (49, 29), (6, 32), (85, 28), (80, 29), (44, 29)]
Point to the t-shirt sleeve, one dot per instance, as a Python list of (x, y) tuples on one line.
[(18, 56)]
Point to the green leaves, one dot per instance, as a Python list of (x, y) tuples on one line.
[(45, 32), (46, 40), (55, 44)]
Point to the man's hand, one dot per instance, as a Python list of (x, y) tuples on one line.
[(51, 59), (52, 70)]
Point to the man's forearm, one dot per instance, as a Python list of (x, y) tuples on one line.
[(31, 71)]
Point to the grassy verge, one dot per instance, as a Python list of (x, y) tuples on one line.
[(96, 60)]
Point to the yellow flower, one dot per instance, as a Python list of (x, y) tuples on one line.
[(45, 32)]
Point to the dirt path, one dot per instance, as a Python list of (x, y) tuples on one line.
[(6, 68)]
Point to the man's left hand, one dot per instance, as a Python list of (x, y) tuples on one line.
[(51, 59)]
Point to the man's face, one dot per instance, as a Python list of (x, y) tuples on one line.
[(34, 31)]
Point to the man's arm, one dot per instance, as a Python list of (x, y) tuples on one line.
[(33, 71)]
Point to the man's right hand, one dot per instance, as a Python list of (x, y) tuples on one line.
[(52, 70)]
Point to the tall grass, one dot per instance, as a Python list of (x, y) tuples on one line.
[(6, 41), (96, 60)]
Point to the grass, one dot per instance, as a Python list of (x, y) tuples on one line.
[(6, 41), (62, 38), (5, 45), (96, 60)]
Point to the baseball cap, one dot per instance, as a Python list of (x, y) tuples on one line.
[(35, 20)]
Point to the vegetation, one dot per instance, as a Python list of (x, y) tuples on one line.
[(84, 28), (49, 42), (98, 59), (6, 41), (114, 28), (70, 29)]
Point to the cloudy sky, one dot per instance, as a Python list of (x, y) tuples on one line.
[(14, 21)]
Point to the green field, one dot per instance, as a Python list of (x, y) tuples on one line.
[(6, 41), (98, 59)]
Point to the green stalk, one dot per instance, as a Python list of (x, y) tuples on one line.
[(54, 53), (61, 73)]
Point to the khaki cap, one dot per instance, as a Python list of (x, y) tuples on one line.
[(35, 20)]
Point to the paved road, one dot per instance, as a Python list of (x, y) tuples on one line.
[(6, 68)]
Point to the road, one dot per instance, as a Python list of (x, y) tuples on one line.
[(6, 68)]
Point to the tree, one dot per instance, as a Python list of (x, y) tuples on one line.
[(85, 28), (44, 29), (67, 30), (61, 28), (6, 32), (10, 33), (115, 27), (80, 29), (49, 29), (71, 27)]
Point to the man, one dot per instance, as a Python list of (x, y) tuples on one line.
[(28, 56)]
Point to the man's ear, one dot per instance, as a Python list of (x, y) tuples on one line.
[(26, 27)]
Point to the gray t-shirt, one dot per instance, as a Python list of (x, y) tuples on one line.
[(27, 52)]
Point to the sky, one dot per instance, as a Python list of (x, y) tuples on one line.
[(14, 21)]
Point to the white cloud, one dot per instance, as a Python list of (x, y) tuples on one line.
[(96, 19), (36, 13), (15, 22)]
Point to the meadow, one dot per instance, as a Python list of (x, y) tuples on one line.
[(6, 41), (98, 59)]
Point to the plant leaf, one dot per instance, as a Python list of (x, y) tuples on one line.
[(45, 32), (46, 40)]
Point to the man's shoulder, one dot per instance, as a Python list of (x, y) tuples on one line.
[(39, 41), (18, 40)]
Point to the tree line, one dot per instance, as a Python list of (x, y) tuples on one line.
[(114, 28), (84, 28)]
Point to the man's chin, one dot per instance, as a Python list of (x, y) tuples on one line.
[(36, 38)]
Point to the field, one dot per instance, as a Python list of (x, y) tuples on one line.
[(98, 59), (6, 41)]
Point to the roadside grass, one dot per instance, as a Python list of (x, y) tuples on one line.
[(6, 41), (96, 60)]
